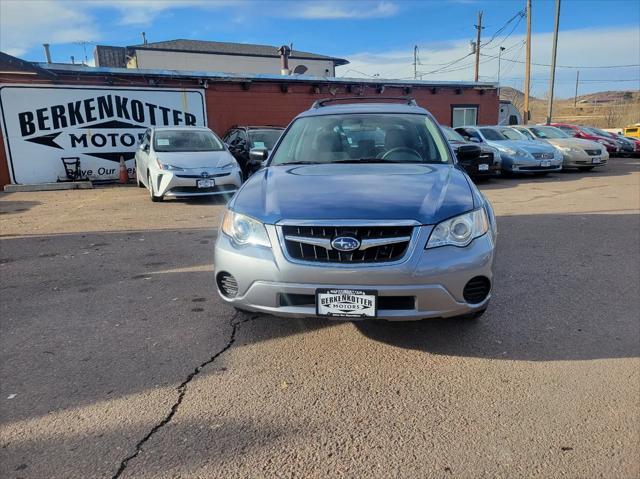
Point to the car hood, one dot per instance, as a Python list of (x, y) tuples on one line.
[(527, 145), (194, 159), (575, 143), (425, 193)]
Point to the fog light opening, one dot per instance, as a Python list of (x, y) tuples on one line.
[(227, 284), (477, 290)]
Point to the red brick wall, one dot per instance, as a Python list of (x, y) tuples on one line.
[(264, 103)]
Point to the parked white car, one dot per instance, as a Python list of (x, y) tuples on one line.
[(185, 161)]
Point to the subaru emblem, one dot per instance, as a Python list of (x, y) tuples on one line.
[(345, 243), (204, 174)]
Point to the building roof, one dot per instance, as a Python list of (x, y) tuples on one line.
[(228, 48), (16, 66), (248, 77)]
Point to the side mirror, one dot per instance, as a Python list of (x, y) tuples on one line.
[(469, 152), (145, 148), (258, 154), (474, 139)]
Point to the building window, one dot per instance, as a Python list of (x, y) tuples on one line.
[(464, 116)]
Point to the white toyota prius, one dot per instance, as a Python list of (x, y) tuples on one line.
[(185, 161)]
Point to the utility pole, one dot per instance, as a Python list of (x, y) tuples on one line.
[(575, 97), (499, 57), (553, 62), (527, 72), (415, 62), (479, 28)]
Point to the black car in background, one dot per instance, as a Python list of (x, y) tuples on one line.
[(241, 139), (486, 165)]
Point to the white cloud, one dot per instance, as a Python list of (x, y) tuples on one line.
[(27, 24), (587, 47), (332, 10)]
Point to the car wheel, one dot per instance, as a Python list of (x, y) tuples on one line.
[(585, 168), (154, 198), (138, 182)]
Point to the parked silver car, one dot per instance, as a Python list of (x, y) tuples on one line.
[(576, 152), (518, 155), (185, 161), (359, 212)]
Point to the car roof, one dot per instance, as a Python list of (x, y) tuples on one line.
[(164, 128), (352, 108)]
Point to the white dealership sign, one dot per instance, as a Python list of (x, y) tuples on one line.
[(43, 124)]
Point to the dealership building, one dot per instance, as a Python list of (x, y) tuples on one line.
[(52, 111)]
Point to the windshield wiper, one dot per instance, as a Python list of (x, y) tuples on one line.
[(373, 160), (298, 163)]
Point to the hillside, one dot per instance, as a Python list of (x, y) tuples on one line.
[(606, 109)]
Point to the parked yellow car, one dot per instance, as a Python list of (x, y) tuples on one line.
[(632, 130)]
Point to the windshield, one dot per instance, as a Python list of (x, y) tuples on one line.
[(452, 135), (186, 140), (264, 138), (359, 137), (512, 134), (492, 135), (526, 133), (548, 132), (598, 132)]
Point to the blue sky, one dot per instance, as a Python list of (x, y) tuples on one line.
[(377, 36)]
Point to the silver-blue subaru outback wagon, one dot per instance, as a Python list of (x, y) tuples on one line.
[(360, 211)]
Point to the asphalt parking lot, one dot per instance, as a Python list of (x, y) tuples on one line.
[(118, 359)]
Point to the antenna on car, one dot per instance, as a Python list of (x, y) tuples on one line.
[(402, 99)]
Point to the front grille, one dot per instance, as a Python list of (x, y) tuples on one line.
[(486, 158), (476, 290), (543, 156), (538, 168), (393, 251), (195, 189), (200, 177), (385, 303), (593, 152)]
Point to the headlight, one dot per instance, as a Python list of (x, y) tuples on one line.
[(522, 153), (227, 166), (244, 230), (508, 151), (164, 166), (459, 231)]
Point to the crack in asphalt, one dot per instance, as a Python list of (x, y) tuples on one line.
[(182, 391)]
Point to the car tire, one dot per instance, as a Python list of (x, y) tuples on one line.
[(585, 168), (152, 194), (138, 182)]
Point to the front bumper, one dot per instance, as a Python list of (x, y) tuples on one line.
[(431, 280), (581, 159), (518, 164), (184, 183)]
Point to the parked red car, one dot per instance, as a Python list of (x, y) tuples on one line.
[(580, 132)]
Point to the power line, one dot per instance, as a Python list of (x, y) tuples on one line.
[(565, 66)]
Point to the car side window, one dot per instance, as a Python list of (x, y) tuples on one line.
[(241, 139), (231, 137)]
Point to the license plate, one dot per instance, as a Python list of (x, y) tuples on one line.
[(595, 161), (205, 183), (545, 163), (346, 303), (483, 167)]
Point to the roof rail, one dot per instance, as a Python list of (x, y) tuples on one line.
[(403, 99)]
